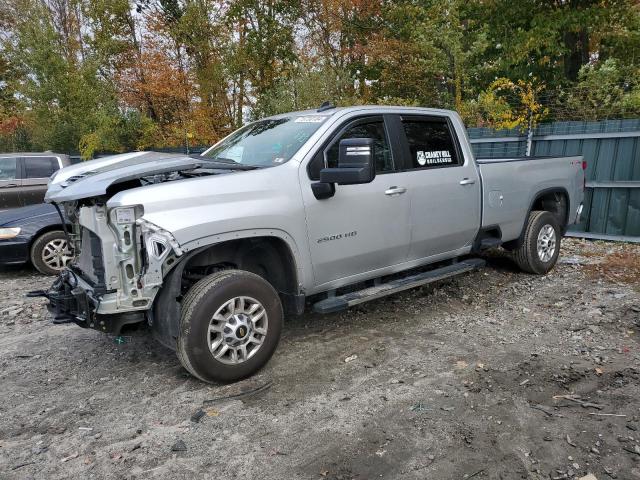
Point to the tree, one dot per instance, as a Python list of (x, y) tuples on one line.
[(265, 45), (552, 39), (601, 92), (117, 75)]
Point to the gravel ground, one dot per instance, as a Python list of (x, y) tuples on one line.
[(496, 374)]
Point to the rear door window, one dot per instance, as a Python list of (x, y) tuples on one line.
[(40, 167), (431, 144), (8, 168)]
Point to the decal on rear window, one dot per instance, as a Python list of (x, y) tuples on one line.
[(430, 143), (436, 157)]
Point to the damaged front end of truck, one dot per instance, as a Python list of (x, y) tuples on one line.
[(106, 292), (121, 259)]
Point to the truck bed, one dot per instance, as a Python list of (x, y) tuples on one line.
[(510, 187)]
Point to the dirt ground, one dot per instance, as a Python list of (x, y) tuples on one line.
[(496, 374)]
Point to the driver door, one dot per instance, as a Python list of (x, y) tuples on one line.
[(363, 227)]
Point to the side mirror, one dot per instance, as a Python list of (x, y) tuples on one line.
[(355, 163)]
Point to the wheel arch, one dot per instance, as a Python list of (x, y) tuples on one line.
[(42, 230), (555, 200), (270, 257), (230, 251)]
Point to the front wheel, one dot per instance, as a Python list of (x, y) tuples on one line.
[(230, 326), (541, 244)]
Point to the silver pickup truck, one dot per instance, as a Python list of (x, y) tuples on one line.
[(328, 208)]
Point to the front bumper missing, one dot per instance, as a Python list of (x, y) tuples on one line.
[(72, 300)]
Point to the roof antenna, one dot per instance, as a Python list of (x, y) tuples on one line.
[(326, 106)]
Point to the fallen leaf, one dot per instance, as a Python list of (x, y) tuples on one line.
[(212, 412), (599, 371), (70, 457), (461, 365)]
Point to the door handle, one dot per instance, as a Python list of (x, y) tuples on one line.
[(395, 191), (467, 181)]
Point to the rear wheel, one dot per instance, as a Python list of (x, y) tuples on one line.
[(230, 326), (541, 244), (51, 252)]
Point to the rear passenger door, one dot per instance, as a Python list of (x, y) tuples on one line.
[(35, 176), (444, 187), (9, 183)]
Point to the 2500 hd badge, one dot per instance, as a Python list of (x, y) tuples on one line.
[(337, 237)]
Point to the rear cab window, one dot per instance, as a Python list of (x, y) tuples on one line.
[(431, 143), (40, 167)]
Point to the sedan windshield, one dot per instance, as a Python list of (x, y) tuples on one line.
[(266, 143)]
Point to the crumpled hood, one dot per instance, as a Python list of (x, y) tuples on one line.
[(92, 178)]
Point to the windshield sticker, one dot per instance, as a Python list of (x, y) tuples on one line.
[(234, 153), (311, 119), (436, 157)]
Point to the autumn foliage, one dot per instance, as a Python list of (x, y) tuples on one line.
[(118, 75)]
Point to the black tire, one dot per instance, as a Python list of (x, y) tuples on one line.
[(526, 256), (200, 304), (38, 247)]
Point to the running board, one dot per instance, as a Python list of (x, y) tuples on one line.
[(342, 302)]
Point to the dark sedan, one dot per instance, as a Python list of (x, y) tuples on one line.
[(34, 234)]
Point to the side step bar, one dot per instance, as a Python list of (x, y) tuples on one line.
[(342, 302)]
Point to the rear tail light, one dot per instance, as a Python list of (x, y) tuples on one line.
[(584, 164)]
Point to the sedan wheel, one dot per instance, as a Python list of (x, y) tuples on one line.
[(51, 252)]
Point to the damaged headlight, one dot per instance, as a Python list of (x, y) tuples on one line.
[(7, 233)]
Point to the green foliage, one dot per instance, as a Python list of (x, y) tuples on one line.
[(118, 133), (307, 88), (507, 105), (602, 89), (63, 97)]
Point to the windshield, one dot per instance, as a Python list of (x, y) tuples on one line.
[(266, 143)]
